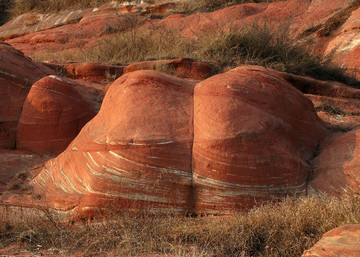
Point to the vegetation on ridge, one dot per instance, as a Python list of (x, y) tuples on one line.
[(22, 6), (225, 49), (279, 229)]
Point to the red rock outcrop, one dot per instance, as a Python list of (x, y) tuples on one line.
[(253, 133), (137, 150), (338, 166), (340, 242), (75, 31), (181, 67), (93, 71), (14, 165), (52, 116), (17, 74), (157, 143)]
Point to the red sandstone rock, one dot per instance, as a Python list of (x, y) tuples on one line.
[(340, 242), (136, 151), (15, 162), (33, 22), (17, 74), (253, 133), (52, 116), (79, 30), (344, 45), (338, 166), (74, 37), (180, 67), (336, 103), (244, 137), (93, 71), (343, 112)]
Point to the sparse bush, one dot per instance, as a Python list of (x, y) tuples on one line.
[(45, 6), (254, 44), (259, 45), (188, 7), (285, 228)]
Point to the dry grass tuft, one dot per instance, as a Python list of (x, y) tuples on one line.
[(189, 7), (225, 49), (45, 6), (286, 228)]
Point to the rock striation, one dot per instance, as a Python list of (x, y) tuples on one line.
[(52, 116), (17, 74), (164, 144)]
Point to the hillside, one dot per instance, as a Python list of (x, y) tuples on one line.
[(179, 124)]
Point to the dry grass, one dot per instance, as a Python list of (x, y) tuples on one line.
[(45, 6), (225, 49), (212, 5), (334, 22), (286, 228), (22, 6)]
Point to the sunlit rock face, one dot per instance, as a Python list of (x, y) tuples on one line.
[(342, 241), (52, 116), (338, 166), (253, 133), (163, 144), (17, 74)]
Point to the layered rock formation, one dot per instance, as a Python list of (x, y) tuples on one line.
[(162, 144), (338, 164), (181, 67), (136, 151), (17, 74), (342, 242), (331, 26), (252, 138), (52, 116)]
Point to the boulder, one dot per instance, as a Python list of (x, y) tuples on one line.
[(52, 116), (341, 242), (181, 67), (161, 145), (253, 135), (136, 153), (93, 71), (338, 166), (17, 74)]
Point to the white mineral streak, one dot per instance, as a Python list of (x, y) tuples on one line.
[(220, 184), (165, 143), (350, 45), (174, 171)]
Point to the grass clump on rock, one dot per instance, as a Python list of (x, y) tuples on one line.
[(18, 7), (188, 7), (225, 49)]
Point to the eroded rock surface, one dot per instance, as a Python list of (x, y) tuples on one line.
[(342, 242), (338, 166), (17, 74), (161, 144), (52, 116), (253, 133)]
